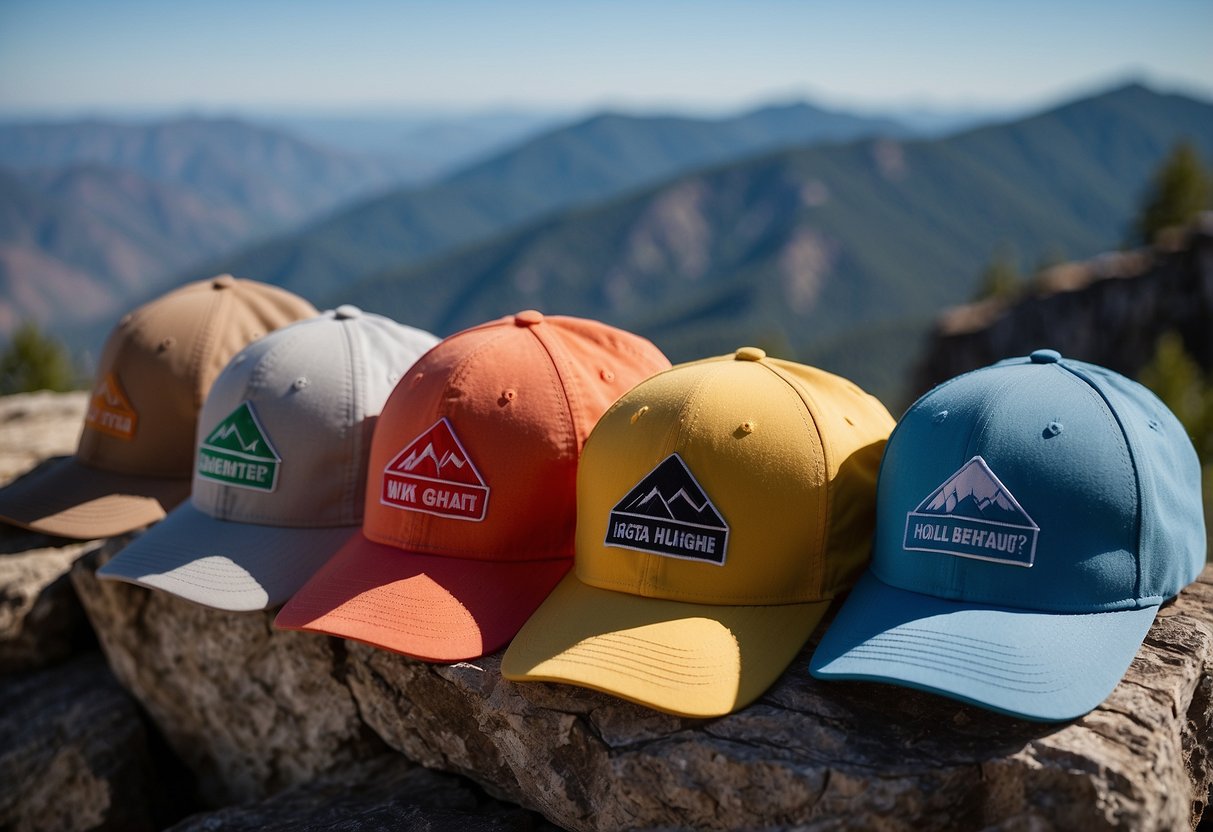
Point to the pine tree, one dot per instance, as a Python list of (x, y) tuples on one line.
[(1180, 190), (1000, 278), (33, 361), (1178, 381)]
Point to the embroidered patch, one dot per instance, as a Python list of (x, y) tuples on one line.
[(973, 515), (667, 513), (110, 411), (434, 475), (239, 452)]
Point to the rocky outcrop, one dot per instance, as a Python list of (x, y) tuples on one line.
[(306, 732), (256, 709), (41, 622), (73, 752), (37, 426), (250, 710), (1109, 311), (387, 792)]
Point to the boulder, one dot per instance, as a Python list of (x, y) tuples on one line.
[(41, 622), (74, 752), (386, 792), (248, 709), (37, 426), (815, 754), (254, 709)]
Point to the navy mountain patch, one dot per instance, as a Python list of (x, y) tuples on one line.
[(973, 515), (667, 513)]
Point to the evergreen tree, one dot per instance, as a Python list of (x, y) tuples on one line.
[(1000, 278), (1178, 381), (1180, 190), (33, 361)]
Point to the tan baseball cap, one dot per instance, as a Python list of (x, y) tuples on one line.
[(136, 452)]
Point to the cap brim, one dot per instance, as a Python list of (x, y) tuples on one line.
[(239, 567), (430, 607), (693, 660), (1048, 667), (65, 498)]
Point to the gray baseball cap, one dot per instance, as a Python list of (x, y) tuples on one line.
[(280, 463)]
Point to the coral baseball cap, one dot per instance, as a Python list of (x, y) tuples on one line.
[(720, 507), (281, 464), (136, 450), (470, 504), (1032, 516)]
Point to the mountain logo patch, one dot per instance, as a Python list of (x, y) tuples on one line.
[(110, 411), (434, 475), (239, 452), (973, 515), (667, 513)]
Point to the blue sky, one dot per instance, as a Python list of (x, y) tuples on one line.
[(71, 56)]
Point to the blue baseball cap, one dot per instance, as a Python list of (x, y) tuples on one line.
[(1031, 518)]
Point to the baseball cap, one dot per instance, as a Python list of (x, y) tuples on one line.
[(1031, 518), (133, 460), (720, 507), (470, 503), (281, 463)]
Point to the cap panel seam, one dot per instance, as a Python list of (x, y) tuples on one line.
[(676, 435), (990, 402), (422, 522), (1114, 421), (205, 343), (560, 383), (256, 378), (826, 455), (353, 418)]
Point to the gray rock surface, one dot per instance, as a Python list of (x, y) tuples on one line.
[(248, 709), (387, 792), (819, 755), (37, 426), (258, 708), (73, 752), (41, 622)]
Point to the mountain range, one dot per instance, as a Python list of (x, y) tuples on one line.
[(105, 214), (573, 165), (839, 255), (821, 236)]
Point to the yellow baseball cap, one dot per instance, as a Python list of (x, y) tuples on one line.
[(721, 505)]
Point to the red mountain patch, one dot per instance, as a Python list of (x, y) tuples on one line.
[(434, 475)]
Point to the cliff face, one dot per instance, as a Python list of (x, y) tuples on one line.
[(1110, 311)]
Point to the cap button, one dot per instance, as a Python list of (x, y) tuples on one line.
[(346, 310), (750, 354), (529, 317), (223, 281), (1045, 356)]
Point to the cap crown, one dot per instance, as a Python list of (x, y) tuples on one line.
[(1065, 488), (298, 409), (484, 433), (158, 364), (786, 454)]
